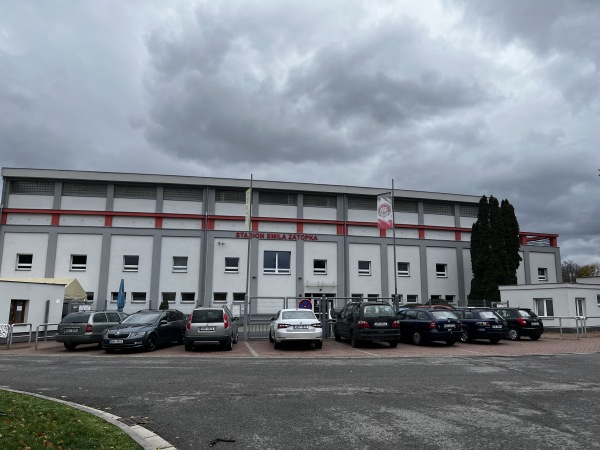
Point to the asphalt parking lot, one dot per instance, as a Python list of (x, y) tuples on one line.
[(549, 344)]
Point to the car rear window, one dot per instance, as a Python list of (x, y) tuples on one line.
[(525, 313), (208, 315), (378, 311), (443, 315), (76, 318), (298, 315), (489, 315)]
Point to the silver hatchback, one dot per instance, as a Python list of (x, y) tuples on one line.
[(211, 324)]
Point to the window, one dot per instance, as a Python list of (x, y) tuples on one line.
[(468, 210), (405, 206), (191, 194), (24, 261), (366, 203), (403, 269), (277, 262), (441, 270), (449, 298), (412, 298), (168, 297), (239, 296), (135, 191), (580, 307), (32, 187), (277, 198), (220, 297), (114, 295), (72, 189), (364, 267), (232, 265), (320, 267), (544, 306), (436, 297), (598, 299), (138, 297), (78, 263), (444, 209), (188, 297), (320, 201), (230, 196), (542, 274), (180, 264), (131, 263), (359, 296), (89, 296), (372, 295)]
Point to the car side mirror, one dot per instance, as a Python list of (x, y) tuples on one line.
[(272, 318), (163, 322)]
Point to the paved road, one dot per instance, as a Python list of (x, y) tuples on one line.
[(298, 401)]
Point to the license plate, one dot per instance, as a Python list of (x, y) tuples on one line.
[(206, 329), (115, 341), (301, 327), (71, 330), (496, 326), (535, 324), (380, 324), (449, 325)]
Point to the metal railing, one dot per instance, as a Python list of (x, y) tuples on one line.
[(45, 326), (580, 324), (10, 335)]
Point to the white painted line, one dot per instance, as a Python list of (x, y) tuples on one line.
[(250, 349)]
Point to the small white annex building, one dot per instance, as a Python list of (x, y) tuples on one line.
[(559, 302), (36, 301)]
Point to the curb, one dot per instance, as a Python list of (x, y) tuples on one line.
[(144, 437)]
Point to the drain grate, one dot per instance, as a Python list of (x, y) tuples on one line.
[(131, 421), (216, 441)]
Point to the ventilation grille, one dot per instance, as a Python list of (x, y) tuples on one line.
[(368, 203), (230, 196), (84, 189), (135, 191), (442, 209), (321, 201), (469, 210), (405, 206), (277, 198), (32, 187), (191, 194)]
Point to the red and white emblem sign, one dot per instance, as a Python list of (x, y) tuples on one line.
[(385, 218)]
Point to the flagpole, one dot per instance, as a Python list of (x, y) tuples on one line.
[(395, 272), (249, 229)]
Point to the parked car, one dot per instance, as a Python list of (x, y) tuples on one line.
[(146, 329), (86, 327), (215, 324), (295, 325), (367, 321), (481, 323), (421, 325), (522, 322), (435, 306)]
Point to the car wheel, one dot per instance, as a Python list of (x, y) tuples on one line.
[(150, 344), (465, 336), (494, 340), (354, 341), (534, 338), (271, 340), (188, 346), (450, 342), (235, 340), (514, 335), (319, 345), (393, 344), (228, 344), (417, 338), (70, 346), (336, 335)]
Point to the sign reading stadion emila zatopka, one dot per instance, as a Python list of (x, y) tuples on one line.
[(280, 236)]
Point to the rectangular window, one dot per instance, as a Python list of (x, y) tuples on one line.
[(114, 295), (356, 296), (365, 203), (320, 201), (78, 263), (32, 187), (441, 270), (138, 297), (168, 297), (403, 269), (131, 263), (277, 262), (190, 194), (598, 299), (320, 267), (89, 296), (449, 298), (188, 297), (180, 264), (468, 210), (542, 274), (135, 191), (436, 297), (443, 209), (277, 198), (230, 196), (232, 265), (580, 307), (220, 297), (405, 206), (239, 296), (24, 261), (412, 298), (372, 295), (544, 306), (364, 267), (73, 189)]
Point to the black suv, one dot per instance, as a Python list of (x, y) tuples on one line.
[(481, 323), (426, 325), (368, 321), (146, 329), (522, 322)]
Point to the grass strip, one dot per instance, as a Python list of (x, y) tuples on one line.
[(32, 423)]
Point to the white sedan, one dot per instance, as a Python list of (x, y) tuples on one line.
[(296, 325)]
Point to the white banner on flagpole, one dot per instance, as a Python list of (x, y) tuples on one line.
[(248, 208), (384, 211)]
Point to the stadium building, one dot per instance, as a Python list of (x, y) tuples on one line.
[(184, 240)]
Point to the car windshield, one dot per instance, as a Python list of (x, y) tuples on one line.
[(378, 311), (489, 315), (298, 315), (207, 315), (76, 318), (142, 319), (443, 315)]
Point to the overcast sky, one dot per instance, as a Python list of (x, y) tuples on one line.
[(483, 98)]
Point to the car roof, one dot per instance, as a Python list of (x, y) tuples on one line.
[(297, 309)]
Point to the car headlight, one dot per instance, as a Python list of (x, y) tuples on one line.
[(137, 334)]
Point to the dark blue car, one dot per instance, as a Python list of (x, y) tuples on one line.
[(481, 323), (425, 325)]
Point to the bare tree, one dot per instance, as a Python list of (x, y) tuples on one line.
[(570, 270)]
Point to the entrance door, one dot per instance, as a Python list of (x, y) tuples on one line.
[(17, 311)]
